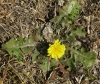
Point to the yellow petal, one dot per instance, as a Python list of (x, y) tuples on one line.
[(56, 50)]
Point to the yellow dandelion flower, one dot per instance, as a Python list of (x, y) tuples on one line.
[(56, 50)]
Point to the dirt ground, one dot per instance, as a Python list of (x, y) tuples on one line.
[(24, 18)]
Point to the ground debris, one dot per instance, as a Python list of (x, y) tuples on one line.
[(23, 18)]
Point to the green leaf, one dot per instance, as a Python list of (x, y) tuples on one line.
[(27, 49), (79, 32), (44, 66), (19, 41), (71, 38), (73, 9), (10, 51), (63, 22), (72, 62), (10, 44), (53, 63), (34, 57), (88, 59), (70, 11), (71, 6), (80, 55), (16, 47), (56, 19), (17, 52), (35, 54), (29, 40)]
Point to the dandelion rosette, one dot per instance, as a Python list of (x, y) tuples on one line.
[(56, 50)]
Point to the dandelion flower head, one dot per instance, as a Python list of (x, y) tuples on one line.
[(56, 50)]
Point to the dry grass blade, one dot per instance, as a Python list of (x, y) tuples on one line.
[(26, 17), (1, 82)]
